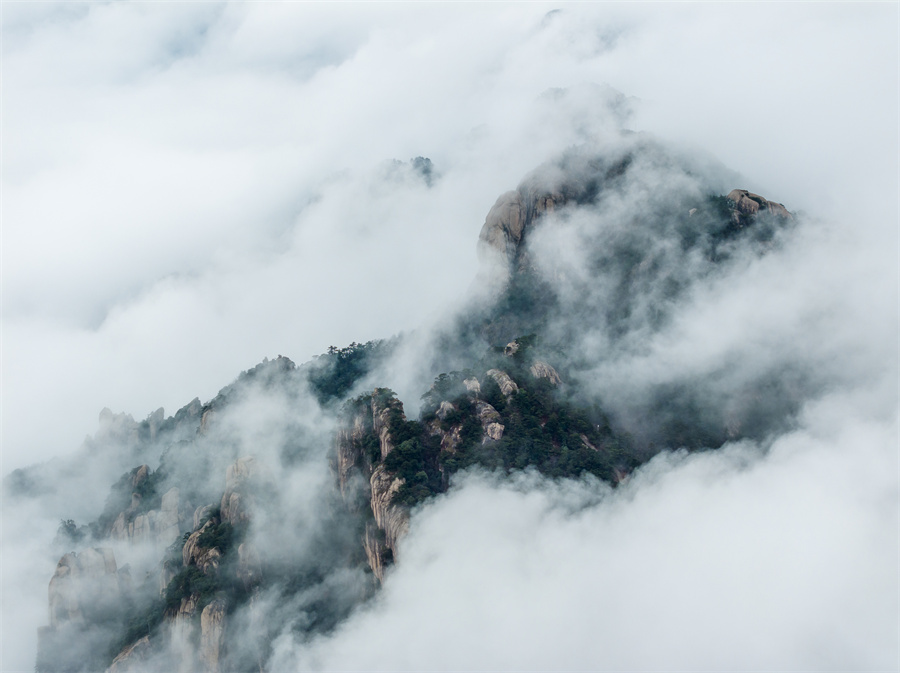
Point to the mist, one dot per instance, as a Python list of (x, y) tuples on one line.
[(189, 188)]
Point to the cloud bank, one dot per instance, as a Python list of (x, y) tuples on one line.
[(190, 187)]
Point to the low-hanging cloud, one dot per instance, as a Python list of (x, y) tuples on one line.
[(759, 558), (190, 187)]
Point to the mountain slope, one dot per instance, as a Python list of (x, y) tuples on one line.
[(280, 505)]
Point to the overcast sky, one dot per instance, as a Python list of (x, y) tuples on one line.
[(190, 187)]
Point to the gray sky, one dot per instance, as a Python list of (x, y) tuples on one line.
[(190, 187)]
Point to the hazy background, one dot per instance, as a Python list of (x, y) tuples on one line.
[(188, 188)]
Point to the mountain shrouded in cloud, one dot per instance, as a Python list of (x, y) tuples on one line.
[(606, 403)]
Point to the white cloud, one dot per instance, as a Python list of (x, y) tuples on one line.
[(742, 559), (189, 187)]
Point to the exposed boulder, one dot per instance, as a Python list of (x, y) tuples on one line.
[(542, 370), (450, 438), (503, 228), (507, 222), (444, 410), (507, 386), (472, 386), (490, 421), (747, 203), (193, 553)]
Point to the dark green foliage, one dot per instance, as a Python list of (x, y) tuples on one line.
[(190, 580), (415, 460), (139, 623), (543, 429), (69, 533), (220, 536), (120, 499), (150, 492), (334, 374)]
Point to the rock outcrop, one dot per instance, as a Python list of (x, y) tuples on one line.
[(747, 203), (542, 370), (83, 583), (212, 634), (348, 451), (392, 519), (472, 386), (382, 411), (237, 501), (506, 225), (490, 421), (377, 552), (132, 658), (507, 386), (193, 553), (160, 526), (86, 589), (375, 418)]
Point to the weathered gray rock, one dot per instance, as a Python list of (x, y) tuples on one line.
[(132, 658), (376, 550), (160, 527), (503, 227), (81, 583), (392, 519), (507, 386), (347, 441), (182, 634), (472, 386), (747, 203), (201, 514), (212, 632), (382, 410), (500, 242), (193, 553), (587, 442), (168, 521), (445, 409), (206, 421), (490, 421), (237, 501), (542, 370)]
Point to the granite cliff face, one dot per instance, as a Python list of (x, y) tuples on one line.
[(362, 444)]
